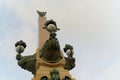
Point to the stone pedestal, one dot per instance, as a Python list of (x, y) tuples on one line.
[(43, 68)]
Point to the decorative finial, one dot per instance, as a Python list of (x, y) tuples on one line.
[(41, 14), (20, 46), (51, 26), (68, 50)]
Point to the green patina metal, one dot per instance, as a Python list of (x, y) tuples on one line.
[(70, 60), (27, 62), (41, 14), (20, 43), (50, 53), (54, 75)]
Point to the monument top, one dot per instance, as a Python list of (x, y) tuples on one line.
[(48, 63), (41, 14)]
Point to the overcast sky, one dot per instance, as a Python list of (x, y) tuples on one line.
[(91, 26)]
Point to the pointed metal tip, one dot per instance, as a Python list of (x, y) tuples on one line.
[(41, 14)]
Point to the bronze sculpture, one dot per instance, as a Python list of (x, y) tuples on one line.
[(50, 53)]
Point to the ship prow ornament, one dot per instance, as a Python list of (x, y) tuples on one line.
[(48, 63)]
